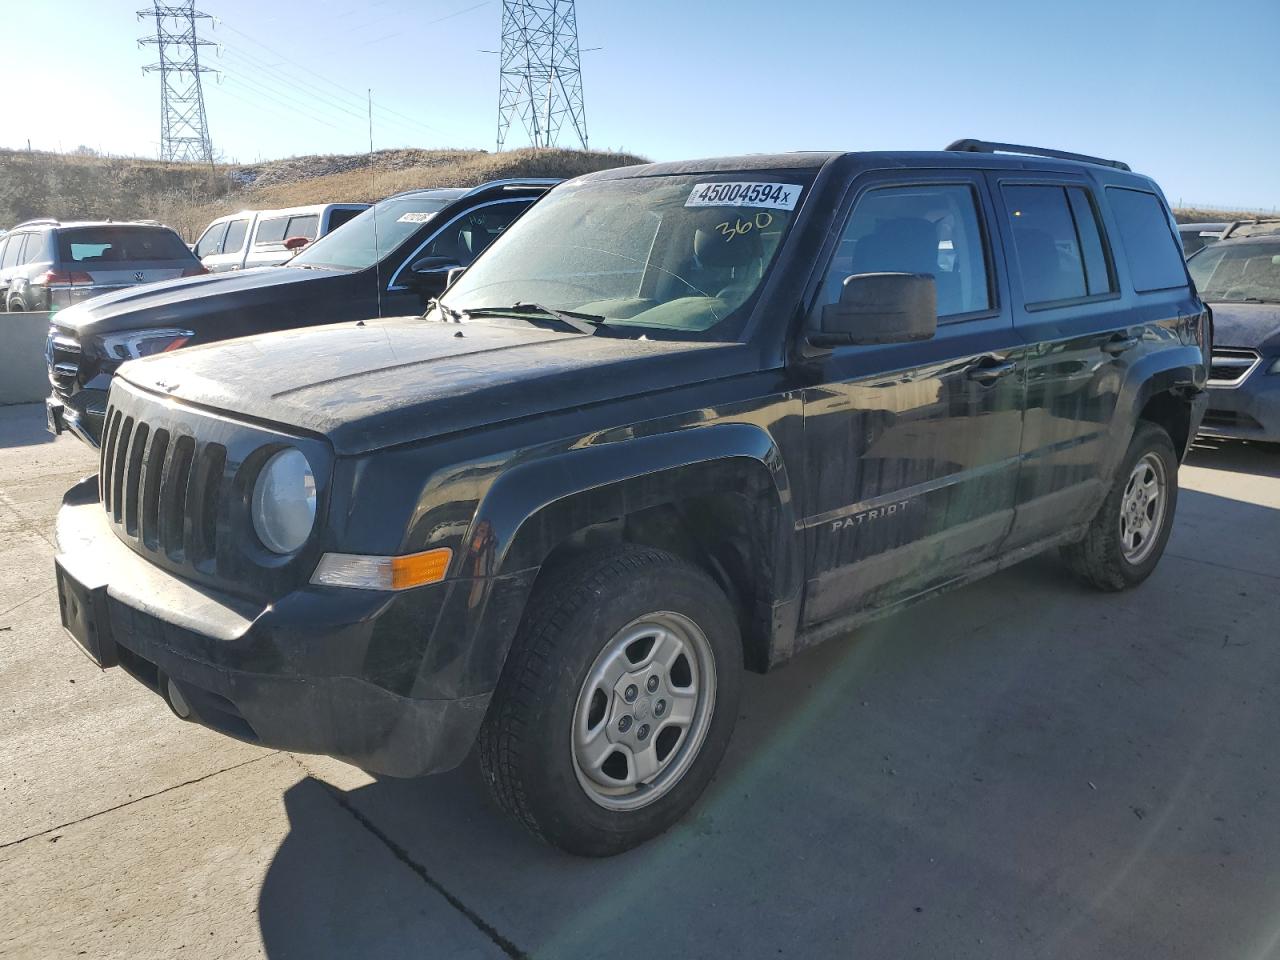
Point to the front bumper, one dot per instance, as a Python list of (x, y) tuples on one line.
[(1249, 411), (242, 668)]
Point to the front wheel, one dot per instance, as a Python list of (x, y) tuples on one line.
[(617, 700), (1127, 536)]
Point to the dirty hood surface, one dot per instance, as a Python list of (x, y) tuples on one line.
[(398, 380), (1252, 325)]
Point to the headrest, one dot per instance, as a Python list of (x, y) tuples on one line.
[(905, 244), (718, 249)]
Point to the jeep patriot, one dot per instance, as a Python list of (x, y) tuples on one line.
[(678, 420)]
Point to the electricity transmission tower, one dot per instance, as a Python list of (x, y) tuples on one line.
[(540, 73), (184, 130)]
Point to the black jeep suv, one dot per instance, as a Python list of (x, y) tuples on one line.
[(679, 419), (389, 260)]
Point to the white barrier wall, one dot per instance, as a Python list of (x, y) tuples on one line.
[(22, 370)]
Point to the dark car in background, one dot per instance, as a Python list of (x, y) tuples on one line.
[(388, 261), (1240, 280), (1197, 236), (48, 265)]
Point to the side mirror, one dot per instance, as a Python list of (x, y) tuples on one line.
[(430, 272), (296, 243), (880, 308)]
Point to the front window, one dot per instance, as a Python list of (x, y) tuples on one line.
[(358, 245), (1238, 271), (676, 256)]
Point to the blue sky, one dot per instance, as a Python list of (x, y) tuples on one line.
[(1161, 85)]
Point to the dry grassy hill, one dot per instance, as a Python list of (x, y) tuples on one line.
[(187, 197)]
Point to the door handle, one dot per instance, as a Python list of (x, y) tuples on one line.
[(1119, 344), (988, 373)]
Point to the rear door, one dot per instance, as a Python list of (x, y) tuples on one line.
[(124, 255), (1068, 308), (911, 449)]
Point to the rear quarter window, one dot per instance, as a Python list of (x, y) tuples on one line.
[(1154, 256), (271, 231)]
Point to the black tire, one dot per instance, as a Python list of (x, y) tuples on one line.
[(526, 745), (1099, 559)]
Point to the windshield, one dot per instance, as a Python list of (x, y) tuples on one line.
[(1243, 271), (352, 247), (674, 256)]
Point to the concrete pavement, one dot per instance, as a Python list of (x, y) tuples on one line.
[(1021, 768)]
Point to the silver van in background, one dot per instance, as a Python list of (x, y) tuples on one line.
[(267, 238)]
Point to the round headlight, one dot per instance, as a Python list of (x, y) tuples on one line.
[(284, 502)]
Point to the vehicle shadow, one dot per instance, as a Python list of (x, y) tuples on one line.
[(22, 425), (1236, 456), (991, 773)]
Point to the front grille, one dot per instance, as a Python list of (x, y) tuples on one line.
[(175, 484), (162, 491), (62, 356), (1231, 365)]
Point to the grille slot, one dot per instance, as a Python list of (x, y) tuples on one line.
[(152, 472), (109, 433), (133, 478), (173, 497), (1231, 365), (117, 469)]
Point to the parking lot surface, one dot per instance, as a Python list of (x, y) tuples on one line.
[(1020, 768)]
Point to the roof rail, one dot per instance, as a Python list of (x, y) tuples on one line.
[(1241, 228), (36, 222), (985, 146), (514, 182)]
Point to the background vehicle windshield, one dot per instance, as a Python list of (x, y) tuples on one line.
[(1246, 271), (352, 247), (667, 255), (110, 244)]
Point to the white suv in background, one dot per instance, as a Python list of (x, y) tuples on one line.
[(266, 238)]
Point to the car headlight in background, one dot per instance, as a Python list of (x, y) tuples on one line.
[(284, 502), (132, 344)]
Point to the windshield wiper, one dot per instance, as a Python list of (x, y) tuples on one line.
[(450, 314), (587, 323)]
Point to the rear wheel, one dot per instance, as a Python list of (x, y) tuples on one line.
[(1128, 534), (616, 703)]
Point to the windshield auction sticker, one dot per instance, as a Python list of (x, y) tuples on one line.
[(774, 196), (414, 217)]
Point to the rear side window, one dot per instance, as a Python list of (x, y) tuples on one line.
[(1059, 243), (1155, 262), (338, 217), (271, 231), (211, 242), (931, 228), (305, 226), (236, 231), (119, 244), (13, 247), (34, 249)]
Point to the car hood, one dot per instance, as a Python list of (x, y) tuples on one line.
[(385, 382), (1252, 325), (170, 301)]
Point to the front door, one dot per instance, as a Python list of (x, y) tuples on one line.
[(911, 455)]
